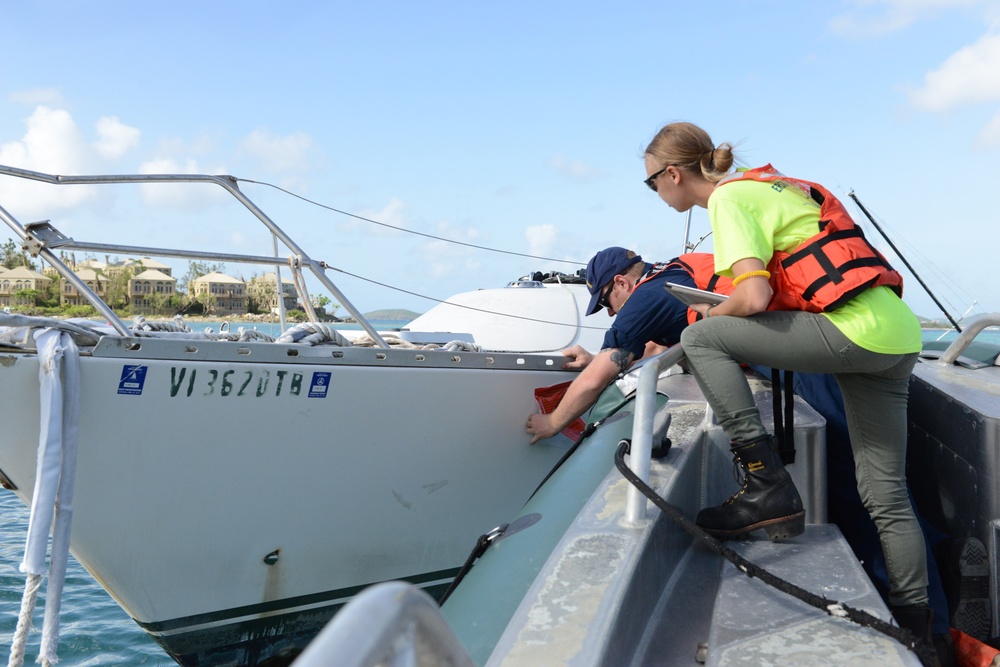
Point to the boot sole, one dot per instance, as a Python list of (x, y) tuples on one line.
[(776, 529), (972, 614)]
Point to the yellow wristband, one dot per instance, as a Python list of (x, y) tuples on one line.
[(750, 274)]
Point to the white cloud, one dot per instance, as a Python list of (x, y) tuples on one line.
[(967, 77), (390, 214), (52, 144), (179, 196), (116, 138), (291, 156), (574, 169), (876, 17)]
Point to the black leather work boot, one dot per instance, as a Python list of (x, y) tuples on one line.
[(918, 619), (767, 500)]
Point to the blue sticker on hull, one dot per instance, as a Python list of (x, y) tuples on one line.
[(320, 385), (132, 380)]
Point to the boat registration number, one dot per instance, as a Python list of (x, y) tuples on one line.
[(187, 382)]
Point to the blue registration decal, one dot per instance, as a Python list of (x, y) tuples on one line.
[(319, 386), (132, 380)]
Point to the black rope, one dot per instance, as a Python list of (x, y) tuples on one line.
[(925, 654)]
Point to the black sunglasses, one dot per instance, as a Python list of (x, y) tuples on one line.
[(651, 181), (603, 301)]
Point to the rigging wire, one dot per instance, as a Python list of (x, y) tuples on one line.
[(940, 276), (437, 238), (459, 305), (905, 261), (410, 231)]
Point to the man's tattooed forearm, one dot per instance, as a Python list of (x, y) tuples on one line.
[(621, 358)]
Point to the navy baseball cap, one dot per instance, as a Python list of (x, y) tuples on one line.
[(603, 267)]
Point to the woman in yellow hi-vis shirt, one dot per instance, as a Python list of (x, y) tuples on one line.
[(810, 295)]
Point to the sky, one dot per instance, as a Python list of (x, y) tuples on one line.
[(515, 126)]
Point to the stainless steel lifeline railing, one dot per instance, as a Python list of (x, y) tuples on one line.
[(642, 428), (41, 238), (972, 329)]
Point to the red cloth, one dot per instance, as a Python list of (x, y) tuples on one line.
[(970, 652), (548, 398)]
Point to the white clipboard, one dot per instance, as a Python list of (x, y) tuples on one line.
[(690, 295)]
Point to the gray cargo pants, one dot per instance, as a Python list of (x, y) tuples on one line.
[(875, 388)]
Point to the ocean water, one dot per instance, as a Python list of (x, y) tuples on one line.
[(988, 335), (95, 631)]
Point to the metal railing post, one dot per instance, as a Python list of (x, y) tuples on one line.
[(642, 428), (972, 329)]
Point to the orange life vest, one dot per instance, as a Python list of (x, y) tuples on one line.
[(701, 267), (828, 269)]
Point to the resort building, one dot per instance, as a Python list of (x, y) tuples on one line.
[(70, 296), (150, 290), (139, 265), (20, 279), (92, 264), (220, 294), (263, 291)]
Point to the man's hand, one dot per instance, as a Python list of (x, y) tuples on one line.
[(583, 392), (578, 358), (540, 427)]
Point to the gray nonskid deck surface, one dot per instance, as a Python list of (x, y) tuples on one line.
[(683, 617), (744, 621), (755, 624), (652, 595)]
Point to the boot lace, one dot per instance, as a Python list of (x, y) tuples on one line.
[(738, 473), (739, 476)]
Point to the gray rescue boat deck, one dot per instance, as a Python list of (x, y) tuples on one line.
[(614, 591)]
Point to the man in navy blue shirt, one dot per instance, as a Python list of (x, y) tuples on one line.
[(648, 315)]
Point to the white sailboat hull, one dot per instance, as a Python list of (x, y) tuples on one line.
[(230, 503)]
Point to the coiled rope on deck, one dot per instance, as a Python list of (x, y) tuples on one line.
[(313, 333), (141, 324), (831, 607), (396, 341), (242, 335)]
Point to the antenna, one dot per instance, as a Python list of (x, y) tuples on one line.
[(900, 255)]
